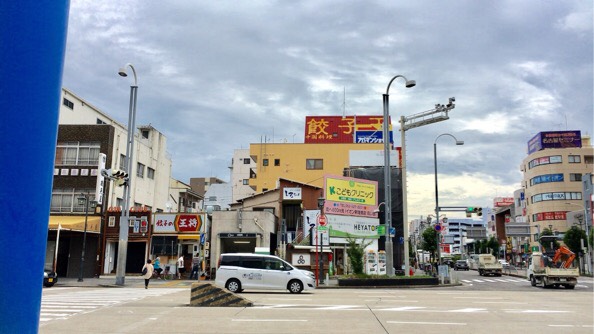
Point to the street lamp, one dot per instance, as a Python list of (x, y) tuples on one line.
[(388, 183), (124, 225), (84, 200), (458, 142)]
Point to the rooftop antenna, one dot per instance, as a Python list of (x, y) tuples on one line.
[(343, 102)]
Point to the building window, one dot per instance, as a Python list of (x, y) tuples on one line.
[(122, 162), (100, 122), (314, 164), (77, 153), (575, 177), (150, 173), (574, 159), (145, 134), (556, 196), (246, 182), (140, 170), (589, 159), (546, 179), (265, 162), (246, 161), (277, 162), (68, 103), (555, 159), (66, 200), (111, 222)]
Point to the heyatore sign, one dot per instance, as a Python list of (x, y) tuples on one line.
[(354, 227), (350, 190)]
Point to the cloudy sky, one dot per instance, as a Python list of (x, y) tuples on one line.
[(215, 76)]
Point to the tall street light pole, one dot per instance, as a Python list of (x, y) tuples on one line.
[(587, 230), (124, 225), (388, 183), (83, 200), (458, 142)]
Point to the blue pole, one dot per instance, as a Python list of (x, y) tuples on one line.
[(33, 37)]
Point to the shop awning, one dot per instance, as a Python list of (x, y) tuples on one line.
[(75, 223), (188, 236)]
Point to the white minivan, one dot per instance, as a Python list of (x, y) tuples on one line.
[(238, 271)]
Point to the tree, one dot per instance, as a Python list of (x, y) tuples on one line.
[(355, 252), (429, 243), (573, 238), (492, 244)]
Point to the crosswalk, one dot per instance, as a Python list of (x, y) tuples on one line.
[(495, 280), (65, 302)]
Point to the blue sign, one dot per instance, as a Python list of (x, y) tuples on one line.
[(401, 240), (202, 238), (371, 137), (392, 231)]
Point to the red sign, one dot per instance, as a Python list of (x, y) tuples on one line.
[(338, 129), (188, 223), (322, 220)]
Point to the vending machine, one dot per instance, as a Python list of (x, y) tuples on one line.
[(371, 262), (381, 262)]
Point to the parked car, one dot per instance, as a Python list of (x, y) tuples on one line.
[(504, 264), (461, 265), (49, 278), (236, 272)]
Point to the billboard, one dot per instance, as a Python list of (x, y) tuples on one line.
[(369, 158), (173, 223), (502, 201), (354, 227), (554, 139), (347, 129)]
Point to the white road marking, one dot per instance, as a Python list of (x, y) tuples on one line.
[(478, 281), (269, 320), (404, 308), (392, 300), (533, 311), (490, 280), (468, 310), (427, 323)]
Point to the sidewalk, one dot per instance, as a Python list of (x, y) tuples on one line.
[(130, 281)]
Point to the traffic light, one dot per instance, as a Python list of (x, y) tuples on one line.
[(479, 211), (471, 209), (118, 176)]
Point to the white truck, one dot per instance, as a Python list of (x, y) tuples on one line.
[(488, 265), (553, 272)]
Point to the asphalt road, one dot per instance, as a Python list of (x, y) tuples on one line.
[(487, 307)]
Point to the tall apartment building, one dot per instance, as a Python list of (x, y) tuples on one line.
[(553, 172), (242, 166)]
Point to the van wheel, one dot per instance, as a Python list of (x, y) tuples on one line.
[(295, 286), (233, 285)]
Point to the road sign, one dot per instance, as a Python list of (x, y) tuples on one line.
[(322, 228), (438, 227), (322, 220), (392, 231)]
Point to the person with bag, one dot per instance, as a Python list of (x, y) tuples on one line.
[(147, 272), (157, 267)]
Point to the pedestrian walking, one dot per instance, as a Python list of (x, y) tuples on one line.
[(180, 266), (195, 267), (157, 267), (147, 272)]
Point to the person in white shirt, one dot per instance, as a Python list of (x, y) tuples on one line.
[(180, 266)]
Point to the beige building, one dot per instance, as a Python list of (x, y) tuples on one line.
[(552, 180)]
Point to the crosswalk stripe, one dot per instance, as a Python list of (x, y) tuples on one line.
[(69, 303)]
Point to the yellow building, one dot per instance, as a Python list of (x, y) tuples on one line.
[(305, 163)]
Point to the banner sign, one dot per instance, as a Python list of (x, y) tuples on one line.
[(348, 209), (503, 201)]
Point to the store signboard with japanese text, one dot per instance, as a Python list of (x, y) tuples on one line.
[(350, 196), (174, 223), (503, 201), (291, 193), (353, 227), (554, 139), (347, 129)]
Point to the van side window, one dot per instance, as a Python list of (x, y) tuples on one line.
[(230, 261), (273, 264), (252, 262)]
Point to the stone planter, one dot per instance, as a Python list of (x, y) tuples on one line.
[(387, 282)]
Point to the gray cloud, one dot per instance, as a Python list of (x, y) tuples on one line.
[(216, 76)]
